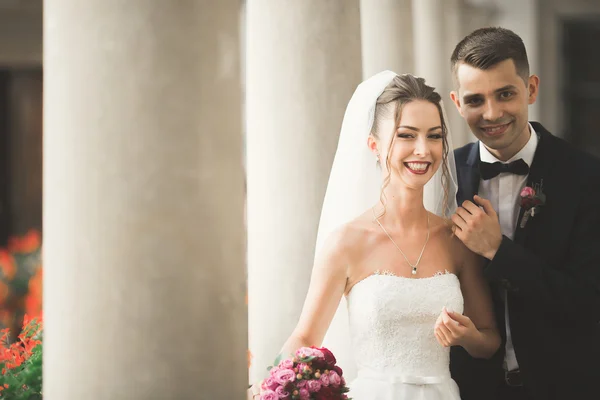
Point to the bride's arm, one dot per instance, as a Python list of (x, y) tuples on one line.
[(476, 330), (327, 286)]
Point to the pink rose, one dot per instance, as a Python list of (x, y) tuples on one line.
[(313, 386), (281, 392), (304, 394), (324, 380), (318, 353), (301, 383), (334, 379), (303, 367), (269, 395), (527, 192), (286, 364), (269, 384), (305, 352), (285, 375)]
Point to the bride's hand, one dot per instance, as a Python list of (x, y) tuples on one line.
[(453, 329)]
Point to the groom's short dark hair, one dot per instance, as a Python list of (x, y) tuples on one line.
[(487, 47)]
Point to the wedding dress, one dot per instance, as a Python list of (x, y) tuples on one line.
[(391, 319), (392, 322)]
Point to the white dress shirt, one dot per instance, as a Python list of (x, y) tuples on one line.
[(503, 192)]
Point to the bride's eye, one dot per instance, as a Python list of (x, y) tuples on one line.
[(404, 135), (436, 136)]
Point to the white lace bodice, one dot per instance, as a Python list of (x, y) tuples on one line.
[(392, 320)]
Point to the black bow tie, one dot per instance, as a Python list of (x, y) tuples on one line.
[(488, 171)]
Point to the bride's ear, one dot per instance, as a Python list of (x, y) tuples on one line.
[(372, 143)]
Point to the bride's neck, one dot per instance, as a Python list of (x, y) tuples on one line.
[(404, 208)]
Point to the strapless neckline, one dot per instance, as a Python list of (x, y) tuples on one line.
[(404, 278)]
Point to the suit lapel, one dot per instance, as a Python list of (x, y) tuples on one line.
[(468, 175), (540, 167)]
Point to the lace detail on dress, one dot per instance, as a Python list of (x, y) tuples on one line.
[(392, 318), (385, 272)]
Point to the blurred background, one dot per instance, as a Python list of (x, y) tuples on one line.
[(297, 100), (21, 81)]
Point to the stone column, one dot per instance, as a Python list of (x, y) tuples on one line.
[(303, 64), (435, 35), (431, 60), (387, 38), (454, 19), (524, 23), (143, 201)]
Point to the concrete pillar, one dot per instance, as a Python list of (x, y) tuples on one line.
[(387, 38), (303, 64), (143, 201), (431, 60), (454, 20), (525, 24)]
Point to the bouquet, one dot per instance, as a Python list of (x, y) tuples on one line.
[(310, 374)]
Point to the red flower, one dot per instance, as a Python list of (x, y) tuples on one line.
[(327, 393), (531, 198), (329, 357), (7, 264), (14, 354), (25, 244), (338, 370)]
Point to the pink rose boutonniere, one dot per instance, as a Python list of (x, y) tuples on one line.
[(532, 199)]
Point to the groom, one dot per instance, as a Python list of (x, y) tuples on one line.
[(542, 243)]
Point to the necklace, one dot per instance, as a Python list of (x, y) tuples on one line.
[(413, 266)]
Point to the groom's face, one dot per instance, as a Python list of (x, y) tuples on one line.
[(494, 102)]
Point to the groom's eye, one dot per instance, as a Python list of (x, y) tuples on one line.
[(473, 101), (506, 95)]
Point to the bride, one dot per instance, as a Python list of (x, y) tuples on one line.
[(412, 288)]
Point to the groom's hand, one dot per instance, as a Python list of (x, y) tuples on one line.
[(479, 229)]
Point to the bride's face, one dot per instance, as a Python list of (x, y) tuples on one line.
[(416, 148)]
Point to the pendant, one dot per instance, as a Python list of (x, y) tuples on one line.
[(414, 270)]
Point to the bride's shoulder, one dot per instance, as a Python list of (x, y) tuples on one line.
[(441, 226), (445, 228), (340, 246), (351, 234)]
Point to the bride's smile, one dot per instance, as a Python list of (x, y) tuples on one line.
[(417, 167)]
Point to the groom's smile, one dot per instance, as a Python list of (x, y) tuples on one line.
[(495, 130)]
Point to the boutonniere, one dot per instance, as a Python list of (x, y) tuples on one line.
[(532, 199)]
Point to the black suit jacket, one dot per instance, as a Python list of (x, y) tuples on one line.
[(551, 272)]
